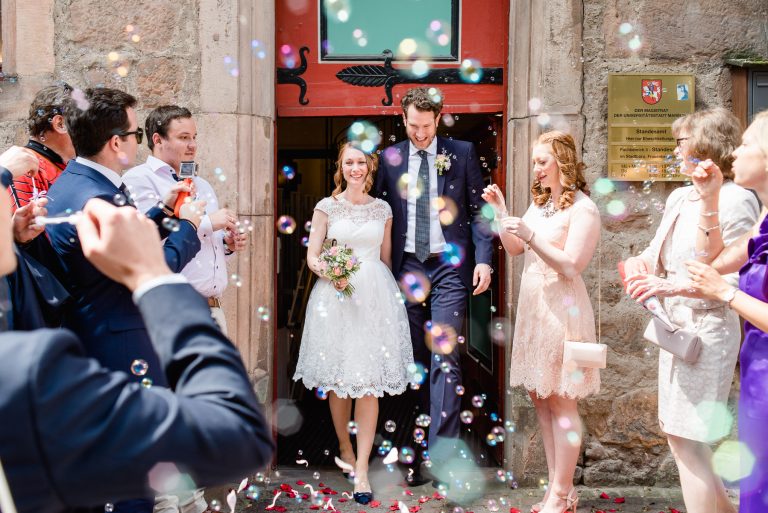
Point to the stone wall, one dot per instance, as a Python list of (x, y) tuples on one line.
[(624, 444)]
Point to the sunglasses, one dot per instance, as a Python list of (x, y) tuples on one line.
[(139, 133)]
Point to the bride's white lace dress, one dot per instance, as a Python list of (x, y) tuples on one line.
[(360, 345)]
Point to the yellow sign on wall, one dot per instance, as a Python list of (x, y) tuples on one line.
[(641, 109)]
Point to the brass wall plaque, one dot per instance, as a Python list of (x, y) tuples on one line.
[(641, 109)]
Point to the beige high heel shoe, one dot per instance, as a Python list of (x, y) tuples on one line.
[(570, 502)]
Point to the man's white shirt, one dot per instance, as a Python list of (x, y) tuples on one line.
[(436, 238), (148, 183)]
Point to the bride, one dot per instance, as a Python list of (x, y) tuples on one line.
[(360, 347)]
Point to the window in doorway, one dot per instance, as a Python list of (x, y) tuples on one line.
[(361, 30)]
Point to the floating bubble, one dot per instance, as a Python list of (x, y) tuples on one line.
[(616, 208), (448, 119), (499, 432), (263, 313), (445, 367), (406, 190), (459, 390), (352, 427), (418, 435), (384, 448), (288, 172), (471, 71), (625, 28), (604, 186), (109, 507), (252, 492), (634, 43), (543, 119), (733, 460), (439, 31), (491, 440), (534, 104), (119, 199), (478, 401), (718, 419), (466, 417), (440, 338), (316, 476), (215, 505), (416, 373), (364, 136), (321, 394), (305, 241), (390, 426), (236, 280), (146, 383), (415, 286), (407, 47), (446, 208), (453, 254), (139, 367), (171, 224), (492, 505), (419, 68), (573, 438), (500, 330), (509, 426), (407, 455), (393, 157), (423, 420), (286, 225)]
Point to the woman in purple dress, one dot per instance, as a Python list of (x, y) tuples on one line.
[(750, 300)]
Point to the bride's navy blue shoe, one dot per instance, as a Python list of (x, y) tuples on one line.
[(363, 497)]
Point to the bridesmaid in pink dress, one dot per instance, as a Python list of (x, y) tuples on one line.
[(558, 236)]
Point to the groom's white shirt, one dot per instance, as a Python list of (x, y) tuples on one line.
[(436, 239)]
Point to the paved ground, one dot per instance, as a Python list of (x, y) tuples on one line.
[(485, 494)]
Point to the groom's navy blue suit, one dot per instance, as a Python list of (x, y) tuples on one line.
[(103, 314), (463, 184)]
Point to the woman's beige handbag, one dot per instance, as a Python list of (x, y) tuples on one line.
[(585, 354), (684, 344)]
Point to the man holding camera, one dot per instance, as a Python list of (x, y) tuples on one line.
[(171, 136)]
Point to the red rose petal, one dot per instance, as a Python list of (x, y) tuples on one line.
[(514, 510), (414, 509), (314, 507), (673, 510), (374, 504), (408, 492), (423, 499), (619, 500), (300, 483), (604, 496)]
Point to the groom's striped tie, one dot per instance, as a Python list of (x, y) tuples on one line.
[(422, 210)]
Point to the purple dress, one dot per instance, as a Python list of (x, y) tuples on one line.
[(753, 403)]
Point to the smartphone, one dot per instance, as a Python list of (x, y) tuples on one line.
[(187, 169)]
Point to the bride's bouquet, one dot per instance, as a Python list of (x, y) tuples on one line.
[(339, 263)]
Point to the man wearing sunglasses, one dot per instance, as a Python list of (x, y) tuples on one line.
[(104, 130)]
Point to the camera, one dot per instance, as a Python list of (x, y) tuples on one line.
[(187, 169)]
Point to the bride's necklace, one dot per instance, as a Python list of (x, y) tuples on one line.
[(548, 209)]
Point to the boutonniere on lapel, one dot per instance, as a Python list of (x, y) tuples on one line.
[(443, 162)]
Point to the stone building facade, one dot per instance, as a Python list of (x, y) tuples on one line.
[(200, 53)]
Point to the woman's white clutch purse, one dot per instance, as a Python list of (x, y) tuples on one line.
[(684, 344), (585, 354)]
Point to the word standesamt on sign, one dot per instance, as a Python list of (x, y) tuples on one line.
[(641, 110)]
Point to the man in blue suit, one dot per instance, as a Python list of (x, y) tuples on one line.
[(417, 177), (77, 435), (104, 130)]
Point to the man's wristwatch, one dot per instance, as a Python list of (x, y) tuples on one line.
[(727, 298)]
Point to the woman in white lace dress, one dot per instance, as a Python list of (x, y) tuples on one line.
[(357, 347)]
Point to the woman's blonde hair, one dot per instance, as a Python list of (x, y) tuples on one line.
[(714, 134), (571, 170), (371, 160), (760, 126)]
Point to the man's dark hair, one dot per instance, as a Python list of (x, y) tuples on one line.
[(160, 119), (49, 101), (425, 99), (95, 115)]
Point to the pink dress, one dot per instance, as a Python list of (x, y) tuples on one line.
[(552, 309)]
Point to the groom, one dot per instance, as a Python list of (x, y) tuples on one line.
[(416, 177)]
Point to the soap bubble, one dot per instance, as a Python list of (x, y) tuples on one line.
[(439, 31), (286, 225), (459, 390), (252, 492), (471, 71), (171, 224), (337, 10), (390, 426), (440, 338), (625, 28), (415, 287), (288, 172), (321, 394), (263, 313), (364, 136), (616, 208), (453, 254), (146, 383), (604, 186), (446, 208), (466, 417), (407, 455), (491, 440), (139, 367), (418, 435), (635, 43), (385, 447), (478, 401), (416, 373), (352, 427), (423, 420), (499, 432), (119, 199)]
